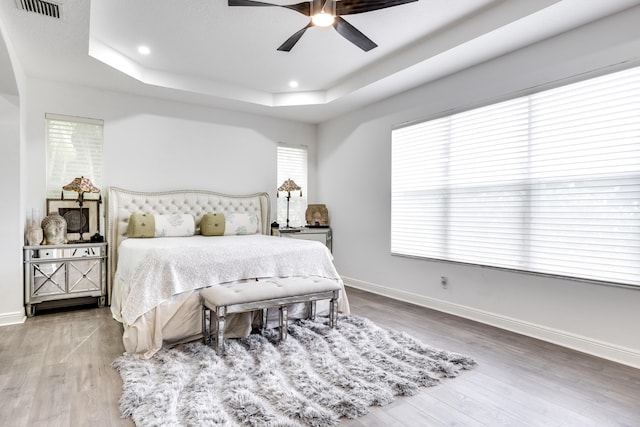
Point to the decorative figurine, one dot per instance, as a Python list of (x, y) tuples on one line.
[(55, 229)]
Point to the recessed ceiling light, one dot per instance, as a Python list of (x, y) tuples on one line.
[(293, 83), (144, 50)]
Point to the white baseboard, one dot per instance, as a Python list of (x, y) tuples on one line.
[(15, 318), (580, 343)]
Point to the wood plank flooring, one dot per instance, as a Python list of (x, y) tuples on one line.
[(55, 370)]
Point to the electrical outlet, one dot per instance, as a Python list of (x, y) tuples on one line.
[(444, 282)]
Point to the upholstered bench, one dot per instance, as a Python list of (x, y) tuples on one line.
[(261, 295)]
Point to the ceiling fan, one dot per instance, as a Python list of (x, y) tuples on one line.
[(324, 13)]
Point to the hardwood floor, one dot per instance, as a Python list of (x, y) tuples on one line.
[(55, 370)]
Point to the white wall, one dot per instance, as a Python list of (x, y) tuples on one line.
[(154, 145), (356, 149), (149, 145), (11, 217), (11, 302)]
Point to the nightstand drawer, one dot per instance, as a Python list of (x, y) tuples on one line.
[(322, 235)]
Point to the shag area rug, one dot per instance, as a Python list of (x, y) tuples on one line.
[(315, 377)]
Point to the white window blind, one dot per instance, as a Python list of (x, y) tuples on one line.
[(548, 183), (292, 164), (74, 149)]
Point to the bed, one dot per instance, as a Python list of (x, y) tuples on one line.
[(154, 282)]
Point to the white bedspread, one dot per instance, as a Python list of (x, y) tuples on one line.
[(155, 269)]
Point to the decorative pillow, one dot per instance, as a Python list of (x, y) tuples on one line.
[(212, 224), (171, 225), (175, 225), (141, 225), (240, 223)]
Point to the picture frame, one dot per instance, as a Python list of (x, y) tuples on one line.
[(85, 222)]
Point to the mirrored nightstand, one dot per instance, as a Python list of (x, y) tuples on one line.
[(58, 275)]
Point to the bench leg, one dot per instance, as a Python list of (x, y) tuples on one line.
[(333, 309), (220, 326), (205, 334), (263, 319), (283, 322), (312, 310)]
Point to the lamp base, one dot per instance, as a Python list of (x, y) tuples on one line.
[(80, 240)]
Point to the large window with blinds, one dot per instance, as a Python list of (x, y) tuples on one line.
[(292, 164), (74, 149), (547, 183)]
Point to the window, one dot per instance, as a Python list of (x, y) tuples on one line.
[(292, 164), (74, 149), (548, 183)]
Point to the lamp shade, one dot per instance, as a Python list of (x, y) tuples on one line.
[(81, 185), (289, 185)]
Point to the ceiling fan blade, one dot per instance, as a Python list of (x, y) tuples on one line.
[(249, 3), (291, 41), (352, 34), (303, 8), (350, 7)]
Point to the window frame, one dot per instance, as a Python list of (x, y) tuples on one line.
[(444, 258)]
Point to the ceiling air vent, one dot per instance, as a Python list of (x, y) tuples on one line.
[(41, 7)]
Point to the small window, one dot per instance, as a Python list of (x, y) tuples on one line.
[(292, 164), (74, 149)]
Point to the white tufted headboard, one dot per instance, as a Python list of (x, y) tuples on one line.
[(122, 203)]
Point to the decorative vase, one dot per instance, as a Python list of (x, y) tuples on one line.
[(34, 236), (34, 233), (55, 229)]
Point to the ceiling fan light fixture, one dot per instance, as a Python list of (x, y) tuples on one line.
[(325, 13), (322, 19)]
